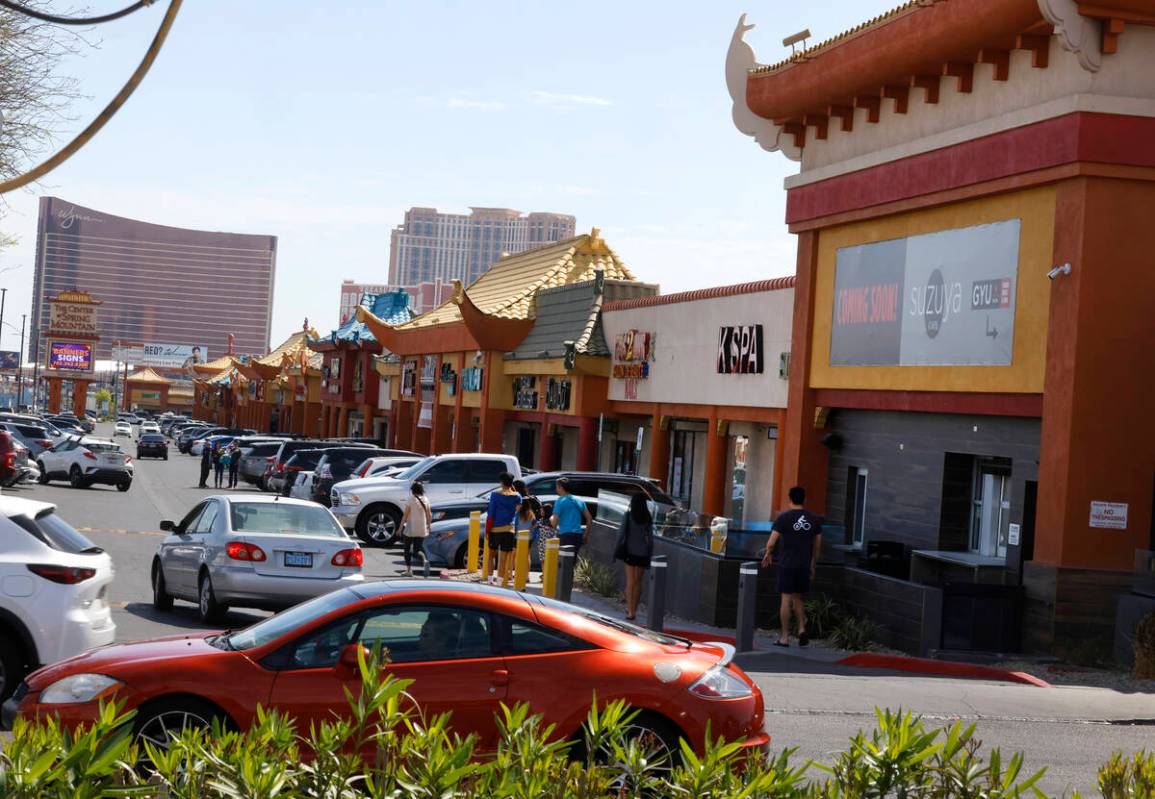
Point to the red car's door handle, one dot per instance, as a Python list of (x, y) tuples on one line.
[(499, 679)]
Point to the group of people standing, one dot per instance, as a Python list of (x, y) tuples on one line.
[(218, 460)]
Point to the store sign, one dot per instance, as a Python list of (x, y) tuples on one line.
[(471, 378), (940, 299), (70, 356), (9, 359), (1109, 515), (525, 393), (149, 395), (557, 394), (633, 351), (409, 379), (73, 313), (740, 350), (449, 378), (173, 356)]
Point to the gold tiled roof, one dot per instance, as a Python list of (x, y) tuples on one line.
[(507, 290), (147, 375), (291, 346)]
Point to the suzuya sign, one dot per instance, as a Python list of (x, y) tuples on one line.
[(740, 350)]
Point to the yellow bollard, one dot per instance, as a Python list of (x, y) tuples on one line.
[(521, 561), (474, 541), (549, 568)]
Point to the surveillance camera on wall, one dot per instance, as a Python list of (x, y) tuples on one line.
[(1061, 269)]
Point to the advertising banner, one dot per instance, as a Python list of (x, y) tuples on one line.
[(939, 299), (131, 354), (173, 356), (70, 356), (9, 359)]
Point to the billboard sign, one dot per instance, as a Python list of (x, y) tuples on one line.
[(73, 313), (9, 359), (173, 356), (70, 356), (131, 354), (939, 299)]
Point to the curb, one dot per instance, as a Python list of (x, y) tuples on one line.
[(942, 668)]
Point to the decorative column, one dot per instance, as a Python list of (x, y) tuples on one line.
[(79, 397), (54, 394), (587, 454), (713, 488)]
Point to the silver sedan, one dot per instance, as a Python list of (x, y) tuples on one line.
[(252, 551)]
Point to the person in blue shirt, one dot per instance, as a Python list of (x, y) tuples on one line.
[(570, 515), (503, 506)]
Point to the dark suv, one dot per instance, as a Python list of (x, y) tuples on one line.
[(275, 472), (338, 463)]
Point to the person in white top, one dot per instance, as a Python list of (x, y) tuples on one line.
[(415, 524)]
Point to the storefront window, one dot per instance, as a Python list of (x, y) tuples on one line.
[(741, 454), (681, 476)]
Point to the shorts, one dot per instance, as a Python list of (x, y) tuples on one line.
[(793, 579), (502, 542), (574, 540), (637, 560)]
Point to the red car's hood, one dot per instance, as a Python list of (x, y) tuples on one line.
[(115, 658)]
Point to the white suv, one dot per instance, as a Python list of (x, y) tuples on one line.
[(52, 591), (88, 460), (372, 506)]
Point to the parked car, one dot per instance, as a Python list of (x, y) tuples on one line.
[(252, 551), (219, 441), (85, 424), (337, 465), (187, 437), (122, 429), (275, 473), (255, 459), (9, 455), (382, 466), (299, 470), (67, 426), (372, 506), (55, 605), (149, 427), (152, 445), (468, 649), (35, 437), (86, 461)]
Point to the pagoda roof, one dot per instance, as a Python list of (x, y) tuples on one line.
[(214, 367), (497, 311), (147, 375), (392, 307)]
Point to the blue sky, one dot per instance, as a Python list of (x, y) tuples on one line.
[(321, 122)]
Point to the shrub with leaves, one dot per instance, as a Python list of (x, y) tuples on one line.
[(853, 633), (595, 577), (822, 615), (1144, 644), (385, 747)]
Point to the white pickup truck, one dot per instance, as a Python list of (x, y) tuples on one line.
[(372, 506)]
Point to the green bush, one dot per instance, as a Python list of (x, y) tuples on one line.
[(822, 615), (1144, 644), (596, 577), (855, 634), (385, 748)]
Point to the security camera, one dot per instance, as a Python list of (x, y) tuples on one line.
[(1061, 269)]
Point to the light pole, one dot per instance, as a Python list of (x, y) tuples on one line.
[(20, 365)]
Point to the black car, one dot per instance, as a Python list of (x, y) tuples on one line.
[(304, 460), (275, 476), (152, 445), (338, 463)]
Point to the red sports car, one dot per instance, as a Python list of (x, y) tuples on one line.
[(467, 648)]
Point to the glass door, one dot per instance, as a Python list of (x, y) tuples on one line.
[(990, 509)]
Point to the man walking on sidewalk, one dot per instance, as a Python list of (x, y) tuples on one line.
[(206, 466), (800, 533)]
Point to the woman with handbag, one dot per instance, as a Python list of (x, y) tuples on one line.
[(415, 524), (635, 546)]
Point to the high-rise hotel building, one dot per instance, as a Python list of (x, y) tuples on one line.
[(158, 283), (432, 246)]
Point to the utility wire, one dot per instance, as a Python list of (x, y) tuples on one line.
[(109, 110), (45, 17)]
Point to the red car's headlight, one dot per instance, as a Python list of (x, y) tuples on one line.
[(720, 683)]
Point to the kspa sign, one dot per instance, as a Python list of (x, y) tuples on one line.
[(70, 356), (173, 356), (740, 350), (940, 299)]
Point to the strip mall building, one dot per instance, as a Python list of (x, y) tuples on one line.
[(971, 371)]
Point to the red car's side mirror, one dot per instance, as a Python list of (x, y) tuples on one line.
[(348, 659)]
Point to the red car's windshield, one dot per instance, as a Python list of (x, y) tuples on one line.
[(286, 621)]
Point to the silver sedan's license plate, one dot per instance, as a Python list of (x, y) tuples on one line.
[(303, 560)]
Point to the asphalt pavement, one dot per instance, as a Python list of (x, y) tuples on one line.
[(813, 706)]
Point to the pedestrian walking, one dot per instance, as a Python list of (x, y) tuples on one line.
[(415, 524), (800, 533), (570, 514), (504, 504), (218, 466), (234, 464), (635, 546), (206, 466)]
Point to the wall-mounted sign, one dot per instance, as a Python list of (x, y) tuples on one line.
[(1109, 515), (171, 356), (449, 378), (9, 359), (740, 350), (409, 379), (148, 395), (70, 356), (940, 299), (557, 394), (1014, 534), (335, 368), (525, 393), (358, 377), (471, 378), (633, 351)]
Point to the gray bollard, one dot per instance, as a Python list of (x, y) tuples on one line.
[(566, 560), (747, 604), (656, 604), (425, 566)]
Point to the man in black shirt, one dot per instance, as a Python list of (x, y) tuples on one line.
[(800, 533)]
